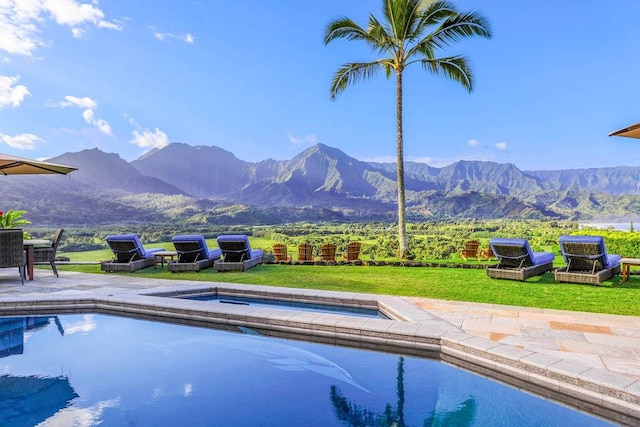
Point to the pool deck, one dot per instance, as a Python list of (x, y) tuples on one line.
[(591, 359)]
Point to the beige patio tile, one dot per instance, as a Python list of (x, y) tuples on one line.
[(579, 327)]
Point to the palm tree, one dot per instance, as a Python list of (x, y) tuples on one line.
[(412, 31)]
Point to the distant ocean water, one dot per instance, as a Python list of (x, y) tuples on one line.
[(623, 226)]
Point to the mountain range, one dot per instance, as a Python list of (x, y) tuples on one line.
[(206, 184)]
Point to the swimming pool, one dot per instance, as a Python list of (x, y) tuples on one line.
[(291, 305), (113, 371)]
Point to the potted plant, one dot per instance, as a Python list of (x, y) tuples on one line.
[(13, 219)]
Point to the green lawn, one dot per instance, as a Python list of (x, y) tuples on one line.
[(460, 284)]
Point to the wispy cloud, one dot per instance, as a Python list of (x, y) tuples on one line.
[(501, 146), (146, 138), (21, 21), (24, 141), (164, 37), (10, 93), (88, 105), (302, 140)]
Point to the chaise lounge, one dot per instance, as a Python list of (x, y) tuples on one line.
[(129, 254), (587, 260), (236, 253), (193, 254), (516, 260)]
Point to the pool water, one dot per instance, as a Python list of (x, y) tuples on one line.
[(113, 371), (291, 305)]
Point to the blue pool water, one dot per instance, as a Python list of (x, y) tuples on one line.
[(111, 371), (291, 305)]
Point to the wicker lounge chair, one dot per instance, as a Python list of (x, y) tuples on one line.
[(328, 252), (280, 252), (48, 255), (516, 260), (587, 260), (12, 252), (470, 250), (305, 252), (353, 252), (237, 253), (129, 254), (193, 254)]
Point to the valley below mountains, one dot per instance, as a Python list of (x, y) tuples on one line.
[(202, 185)]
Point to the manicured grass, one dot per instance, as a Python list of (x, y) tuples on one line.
[(460, 284)]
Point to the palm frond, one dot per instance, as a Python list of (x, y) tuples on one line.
[(344, 28), (379, 38), (458, 27), (436, 12), (352, 73), (454, 67)]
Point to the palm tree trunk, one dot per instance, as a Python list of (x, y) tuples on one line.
[(402, 226)]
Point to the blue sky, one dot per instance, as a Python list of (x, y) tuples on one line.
[(253, 78)]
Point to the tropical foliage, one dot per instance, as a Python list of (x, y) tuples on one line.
[(410, 31), (12, 219)]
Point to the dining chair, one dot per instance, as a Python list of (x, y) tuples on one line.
[(48, 254)]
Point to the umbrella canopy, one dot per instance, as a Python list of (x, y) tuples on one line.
[(632, 131), (12, 165), (27, 401)]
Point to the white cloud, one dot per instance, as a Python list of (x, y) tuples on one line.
[(188, 390), (21, 21), (164, 37), (502, 146), (89, 106), (84, 326), (77, 416), (150, 139), (85, 102), (24, 141), (10, 93), (306, 140)]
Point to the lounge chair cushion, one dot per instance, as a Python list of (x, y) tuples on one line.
[(600, 255), (204, 253), (141, 251), (236, 248), (531, 258)]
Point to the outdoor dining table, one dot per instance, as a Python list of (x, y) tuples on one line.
[(29, 244)]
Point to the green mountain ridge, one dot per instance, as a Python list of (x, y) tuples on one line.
[(206, 184)]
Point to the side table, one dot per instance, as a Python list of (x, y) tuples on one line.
[(161, 256), (625, 266)]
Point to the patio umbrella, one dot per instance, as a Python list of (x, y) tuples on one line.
[(12, 165), (632, 131)]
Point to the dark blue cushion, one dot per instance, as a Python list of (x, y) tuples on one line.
[(609, 260), (236, 247), (198, 238), (534, 258), (142, 252)]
